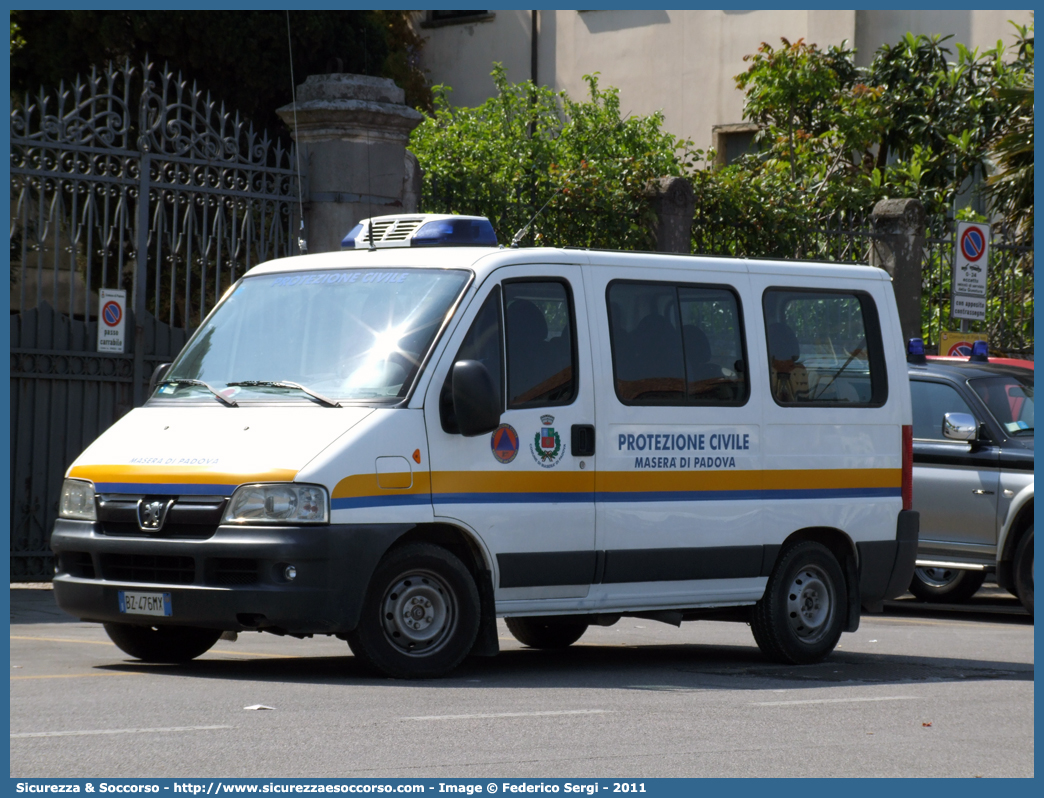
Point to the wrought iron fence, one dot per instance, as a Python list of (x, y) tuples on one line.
[(218, 197), (1009, 290), (129, 178)]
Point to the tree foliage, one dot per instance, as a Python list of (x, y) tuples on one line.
[(529, 146), (1010, 188), (241, 57), (916, 122)]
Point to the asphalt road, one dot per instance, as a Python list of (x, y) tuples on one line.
[(916, 691)]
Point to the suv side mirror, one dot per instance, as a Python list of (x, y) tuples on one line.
[(476, 400), (157, 375), (960, 427)]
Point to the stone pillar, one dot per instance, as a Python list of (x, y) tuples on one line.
[(899, 249), (673, 201), (352, 132)]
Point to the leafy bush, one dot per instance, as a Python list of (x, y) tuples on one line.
[(529, 146)]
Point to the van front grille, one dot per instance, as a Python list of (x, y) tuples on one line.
[(156, 569), (232, 571), (189, 517), (76, 563)]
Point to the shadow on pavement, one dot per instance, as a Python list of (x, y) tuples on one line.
[(36, 605), (654, 667)]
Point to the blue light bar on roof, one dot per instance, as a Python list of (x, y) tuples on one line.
[(348, 242), (455, 233), (915, 351), (980, 352), (421, 230)]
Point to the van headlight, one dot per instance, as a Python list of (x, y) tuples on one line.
[(77, 501), (282, 504)]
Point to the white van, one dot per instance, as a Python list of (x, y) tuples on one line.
[(398, 443)]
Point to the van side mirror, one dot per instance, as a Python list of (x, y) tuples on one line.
[(960, 427), (476, 400), (158, 374)]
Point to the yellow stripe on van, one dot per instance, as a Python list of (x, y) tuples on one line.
[(366, 485), (174, 480), (512, 482)]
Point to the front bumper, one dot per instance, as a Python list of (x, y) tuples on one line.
[(233, 580), (886, 566)]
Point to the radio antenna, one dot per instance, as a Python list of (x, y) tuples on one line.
[(301, 243), (518, 236)]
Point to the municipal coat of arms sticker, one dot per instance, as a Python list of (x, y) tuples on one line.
[(547, 447), (504, 443)]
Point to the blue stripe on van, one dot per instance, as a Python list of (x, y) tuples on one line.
[(383, 500), (666, 496), (414, 499)]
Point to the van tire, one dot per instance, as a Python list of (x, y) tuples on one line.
[(1024, 570), (167, 644), (420, 616), (945, 585), (546, 631), (800, 617)]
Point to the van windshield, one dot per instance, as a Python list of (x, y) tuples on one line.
[(344, 335)]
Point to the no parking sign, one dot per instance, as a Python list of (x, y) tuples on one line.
[(970, 265), (112, 305)]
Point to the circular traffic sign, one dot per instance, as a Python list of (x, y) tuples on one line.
[(111, 314), (973, 243)]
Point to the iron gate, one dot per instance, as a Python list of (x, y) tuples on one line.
[(128, 179)]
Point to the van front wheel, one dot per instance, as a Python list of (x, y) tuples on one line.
[(799, 618), (167, 644), (420, 616)]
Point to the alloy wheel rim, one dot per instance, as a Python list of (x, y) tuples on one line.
[(938, 577)]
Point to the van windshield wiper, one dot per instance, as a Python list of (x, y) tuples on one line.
[(225, 399), (286, 384)]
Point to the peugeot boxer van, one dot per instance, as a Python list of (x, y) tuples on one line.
[(398, 443)]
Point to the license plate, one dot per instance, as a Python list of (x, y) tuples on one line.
[(145, 603)]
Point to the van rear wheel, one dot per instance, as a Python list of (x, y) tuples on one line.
[(799, 618), (546, 631), (420, 616), (168, 644)]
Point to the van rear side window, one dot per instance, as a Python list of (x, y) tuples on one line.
[(677, 344), (824, 348)]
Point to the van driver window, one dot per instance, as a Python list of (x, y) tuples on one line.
[(484, 344), (541, 356)]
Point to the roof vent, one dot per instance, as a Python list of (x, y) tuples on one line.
[(421, 230)]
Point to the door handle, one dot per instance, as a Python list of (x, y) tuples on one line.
[(582, 440), (983, 492)]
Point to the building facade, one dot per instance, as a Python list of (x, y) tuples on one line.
[(680, 62)]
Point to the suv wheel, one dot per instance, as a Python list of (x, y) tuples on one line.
[(945, 585), (1024, 570)]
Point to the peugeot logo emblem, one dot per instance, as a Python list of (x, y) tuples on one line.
[(152, 513)]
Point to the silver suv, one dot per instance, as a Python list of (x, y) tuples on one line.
[(973, 476)]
